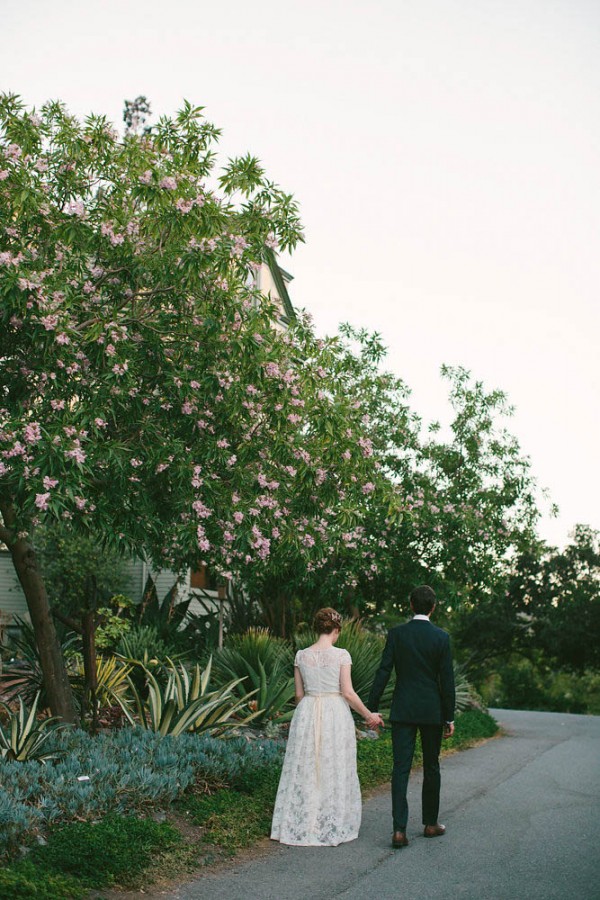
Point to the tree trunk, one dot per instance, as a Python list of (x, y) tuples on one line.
[(56, 681)]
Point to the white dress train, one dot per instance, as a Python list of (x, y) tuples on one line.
[(318, 800)]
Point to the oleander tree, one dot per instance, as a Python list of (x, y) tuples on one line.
[(147, 395), (454, 508)]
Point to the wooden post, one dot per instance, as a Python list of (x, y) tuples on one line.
[(222, 595)]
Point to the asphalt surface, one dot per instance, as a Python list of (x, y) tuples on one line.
[(523, 820)]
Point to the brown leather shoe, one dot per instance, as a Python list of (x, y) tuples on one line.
[(434, 830), (399, 840)]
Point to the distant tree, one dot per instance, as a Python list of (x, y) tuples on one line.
[(135, 115), (546, 609)]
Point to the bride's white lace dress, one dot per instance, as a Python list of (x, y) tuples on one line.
[(318, 800)]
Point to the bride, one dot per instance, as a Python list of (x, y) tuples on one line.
[(318, 800)]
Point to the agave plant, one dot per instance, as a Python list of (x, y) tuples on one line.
[(23, 674), (263, 664), (24, 736), (184, 703), (111, 675), (466, 695)]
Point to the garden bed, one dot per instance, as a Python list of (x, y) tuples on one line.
[(153, 807)]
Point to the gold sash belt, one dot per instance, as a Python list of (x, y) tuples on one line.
[(318, 718)]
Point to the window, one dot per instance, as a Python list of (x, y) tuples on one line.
[(203, 579)]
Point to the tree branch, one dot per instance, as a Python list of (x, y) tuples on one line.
[(68, 621)]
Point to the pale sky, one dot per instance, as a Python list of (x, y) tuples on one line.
[(445, 156)]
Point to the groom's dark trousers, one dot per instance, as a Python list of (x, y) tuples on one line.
[(403, 742), (423, 700)]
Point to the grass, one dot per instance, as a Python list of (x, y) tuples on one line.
[(122, 851), (84, 855)]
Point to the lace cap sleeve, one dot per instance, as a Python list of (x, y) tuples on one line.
[(345, 658), (297, 658)]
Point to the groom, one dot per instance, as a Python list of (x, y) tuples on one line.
[(423, 699)]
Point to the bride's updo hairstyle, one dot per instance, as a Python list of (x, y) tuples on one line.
[(327, 620)]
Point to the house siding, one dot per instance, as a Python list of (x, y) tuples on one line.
[(135, 573), (12, 598)]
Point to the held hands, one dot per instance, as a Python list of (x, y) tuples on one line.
[(374, 720)]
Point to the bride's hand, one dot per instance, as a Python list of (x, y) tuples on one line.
[(374, 720)]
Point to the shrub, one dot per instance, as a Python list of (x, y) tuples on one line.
[(529, 684), (142, 643), (124, 772)]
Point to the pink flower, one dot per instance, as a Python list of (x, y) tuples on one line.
[(368, 487), (57, 404), (50, 483), (222, 443), (41, 500), (32, 433), (3, 174), (63, 338), (168, 183), (146, 178), (238, 517), (80, 502), (294, 418), (120, 368), (203, 542), (100, 423), (202, 511), (77, 454), (110, 350), (232, 460), (184, 206), (75, 208), (135, 463), (366, 446)]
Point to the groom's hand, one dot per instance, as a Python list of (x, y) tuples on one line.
[(448, 729), (375, 720)]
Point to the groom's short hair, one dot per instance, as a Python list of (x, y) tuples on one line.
[(422, 599)]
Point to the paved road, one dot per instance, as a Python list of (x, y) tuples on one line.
[(523, 819)]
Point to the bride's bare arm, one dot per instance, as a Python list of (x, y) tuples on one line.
[(350, 695), (298, 685)]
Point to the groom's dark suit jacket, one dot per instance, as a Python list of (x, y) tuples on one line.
[(424, 693)]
